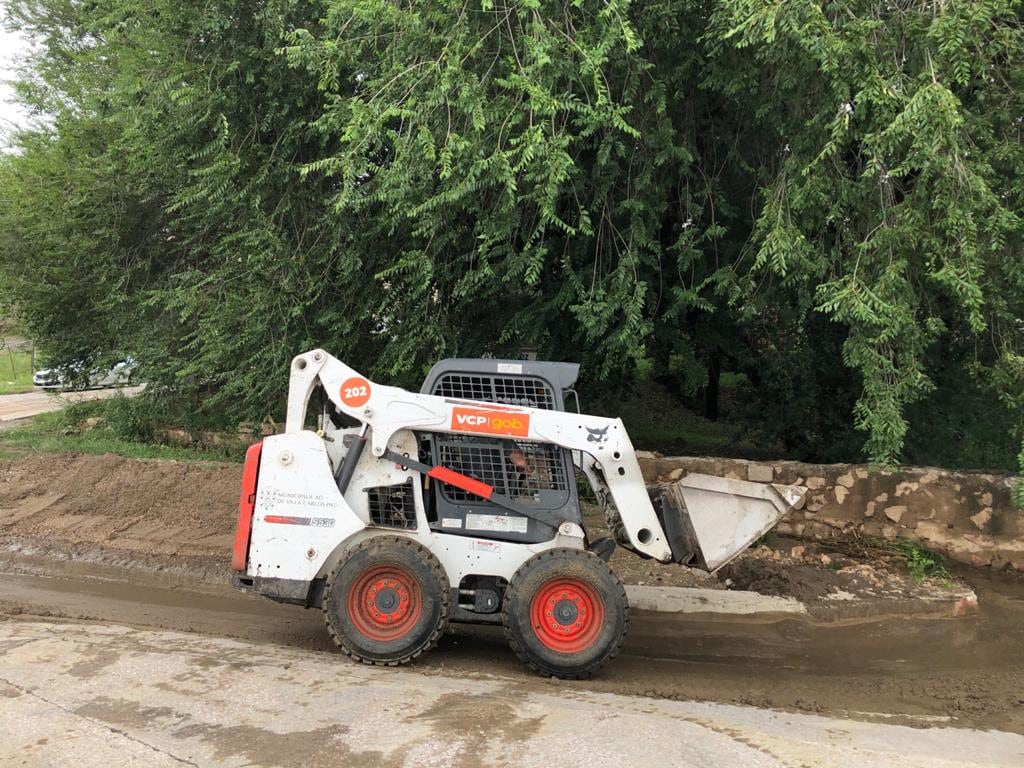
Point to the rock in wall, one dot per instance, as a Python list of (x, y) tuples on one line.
[(967, 516)]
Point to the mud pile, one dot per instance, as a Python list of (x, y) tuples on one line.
[(171, 516), (836, 585), (148, 506)]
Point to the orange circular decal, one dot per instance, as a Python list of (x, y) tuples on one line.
[(355, 391)]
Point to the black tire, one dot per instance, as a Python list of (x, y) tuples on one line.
[(565, 613), (386, 602)]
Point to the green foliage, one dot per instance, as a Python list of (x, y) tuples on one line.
[(653, 417), (1008, 383), (820, 198), (922, 563), (145, 418), (131, 418), (892, 209), (70, 418), (490, 157)]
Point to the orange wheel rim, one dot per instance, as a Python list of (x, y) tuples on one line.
[(385, 602), (566, 615)]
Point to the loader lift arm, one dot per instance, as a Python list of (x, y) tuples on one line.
[(607, 455)]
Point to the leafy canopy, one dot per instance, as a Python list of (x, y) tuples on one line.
[(822, 197)]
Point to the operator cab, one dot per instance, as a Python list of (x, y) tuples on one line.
[(537, 475)]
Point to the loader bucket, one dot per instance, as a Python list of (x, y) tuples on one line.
[(710, 520)]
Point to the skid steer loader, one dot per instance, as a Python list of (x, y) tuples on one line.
[(399, 512)]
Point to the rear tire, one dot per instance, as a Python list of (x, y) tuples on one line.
[(565, 613), (386, 602)]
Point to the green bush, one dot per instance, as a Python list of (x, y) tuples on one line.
[(70, 419), (921, 563), (131, 418)]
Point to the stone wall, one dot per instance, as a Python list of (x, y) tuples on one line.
[(967, 516)]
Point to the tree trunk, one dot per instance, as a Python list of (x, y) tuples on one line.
[(711, 390)]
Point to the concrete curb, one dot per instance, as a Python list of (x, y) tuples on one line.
[(959, 603), (696, 600), (678, 600)]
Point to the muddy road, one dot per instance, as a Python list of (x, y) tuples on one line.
[(961, 672)]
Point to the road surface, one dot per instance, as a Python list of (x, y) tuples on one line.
[(964, 673), (90, 695), (13, 407)]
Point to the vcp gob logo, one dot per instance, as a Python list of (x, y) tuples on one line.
[(490, 422)]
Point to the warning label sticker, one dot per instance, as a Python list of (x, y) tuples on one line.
[(501, 523), (486, 546)]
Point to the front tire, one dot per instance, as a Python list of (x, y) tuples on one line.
[(565, 613), (386, 602)]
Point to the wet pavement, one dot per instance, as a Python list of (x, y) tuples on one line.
[(963, 672), (101, 695)]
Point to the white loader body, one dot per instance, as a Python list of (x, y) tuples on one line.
[(300, 518), (438, 508)]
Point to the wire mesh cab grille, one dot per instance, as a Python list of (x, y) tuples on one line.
[(527, 391), (531, 473), (393, 506), (534, 474)]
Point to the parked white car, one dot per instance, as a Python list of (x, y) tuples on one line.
[(70, 376)]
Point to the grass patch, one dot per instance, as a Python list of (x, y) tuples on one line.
[(67, 431), (15, 372)]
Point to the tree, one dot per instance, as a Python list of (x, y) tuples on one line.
[(820, 197), (893, 204)]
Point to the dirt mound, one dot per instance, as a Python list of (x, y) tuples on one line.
[(95, 507), (164, 507), (775, 572), (831, 582)]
